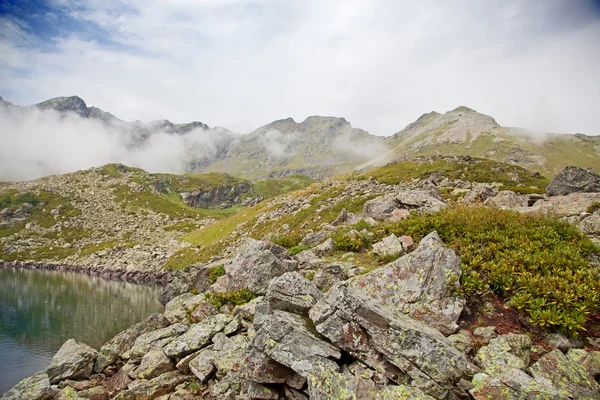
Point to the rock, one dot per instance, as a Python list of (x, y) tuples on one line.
[(507, 200), (202, 366), (261, 392), (198, 336), (389, 246), (513, 384), (487, 333), (291, 340), (504, 353), (246, 311), (341, 218), (153, 364), (123, 341), (422, 284), (36, 387), (563, 343), (256, 264), (119, 381), (154, 340), (461, 341), (185, 281), (565, 375), (384, 207), (589, 359), (218, 197), (144, 389), (330, 274), (260, 368), (307, 259), (175, 310), (406, 349), (68, 394), (293, 293), (95, 393), (325, 249), (313, 239), (77, 385), (574, 180), (478, 194), (73, 360)]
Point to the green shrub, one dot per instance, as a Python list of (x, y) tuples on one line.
[(234, 298), (538, 263), (346, 241), (288, 240), (297, 249), (216, 272)]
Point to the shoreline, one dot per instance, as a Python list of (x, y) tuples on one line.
[(160, 278)]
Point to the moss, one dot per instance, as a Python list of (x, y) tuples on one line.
[(235, 298)]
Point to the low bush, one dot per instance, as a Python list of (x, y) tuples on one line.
[(297, 249), (235, 298), (594, 207), (216, 272)]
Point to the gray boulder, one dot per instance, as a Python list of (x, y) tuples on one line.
[(73, 360), (123, 341), (405, 349), (325, 249), (151, 389), (479, 194), (574, 180), (314, 238), (36, 387), (504, 353), (154, 340), (507, 200), (389, 246), (563, 343), (423, 284), (256, 264), (399, 205), (514, 384), (293, 293), (330, 274), (153, 364), (198, 336)]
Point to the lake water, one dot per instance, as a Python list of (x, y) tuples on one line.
[(40, 310)]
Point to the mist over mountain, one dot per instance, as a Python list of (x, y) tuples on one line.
[(64, 134)]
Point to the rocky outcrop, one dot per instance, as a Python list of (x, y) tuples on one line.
[(72, 361), (222, 197), (398, 206), (574, 180)]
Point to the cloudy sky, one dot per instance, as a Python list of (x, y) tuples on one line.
[(243, 63)]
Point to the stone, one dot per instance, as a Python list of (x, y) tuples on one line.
[(389, 246), (154, 340), (73, 360), (589, 359), (77, 385), (330, 274), (256, 264), (185, 281), (35, 387), (507, 200), (68, 393), (198, 336), (563, 343), (175, 310), (384, 207), (487, 333), (423, 284), (153, 364), (573, 180), (201, 309), (292, 340), (119, 381), (513, 384), (202, 366), (504, 353), (478, 194), (325, 249), (261, 392), (314, 238), (462, 341), (246, 311), (568, 377), (123, 341), (258, 367), (292, 292), (341, 218), (144, 389), (95, 393), (384, 338), (307, 259)]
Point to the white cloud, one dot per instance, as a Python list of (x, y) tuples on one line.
[(379, 64)]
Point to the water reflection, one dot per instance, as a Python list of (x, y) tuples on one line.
[(40, 310)]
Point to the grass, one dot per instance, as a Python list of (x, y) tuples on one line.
[(91, 248), (216, 272), (537, 263), (235, 298), (269, 188), (40, 254), (512, 177)]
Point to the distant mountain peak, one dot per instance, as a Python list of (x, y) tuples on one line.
[(462, 109), (66, 104)]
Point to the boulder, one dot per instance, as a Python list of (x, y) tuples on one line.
[(73, 360), (144, 389), (293, 293), (153, 364), (119, 381), (256, 264), (478, 194), (462, 341), (95, 393), (184, 281), (514, 384), (399, 205), (36, 387), (423, 284), (504, 353), (487, 333), (589, 359), (563, 343), (405, 349), (123, 341), (389, 246), (198, 336), (325, 249), (507, 200), (259, 367), (175, 310), (154, 340), (341, 218), (247, 311), (330, 274), (314, 238), (574, 180)]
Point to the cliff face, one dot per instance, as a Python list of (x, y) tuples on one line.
[(222, 197)]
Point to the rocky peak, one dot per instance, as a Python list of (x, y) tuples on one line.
[(66, 104)]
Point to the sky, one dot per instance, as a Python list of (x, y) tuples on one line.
[(244, 63)]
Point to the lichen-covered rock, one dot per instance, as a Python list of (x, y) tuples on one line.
[(462, 341), (73, 360), (387, 207), (154, 340), (382, 337), (507, 200), (423, 284), (325, 249), (487, 333), (198, 336), (563, 343), (261, 392), (478, 194), (36, 387), (144, 389), (246, 311), (513, 384), (307, 259), (95, 393), (119, 381), (566, 376), (573, 180), (258, 367), (256, 264), (123, 341), (330, 274), (389, 246), (314, 238), (202, 365), (153, 364), (589, 359), (292, 340), (504, 353), (292, 292), (68, 393), (175, 310)]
